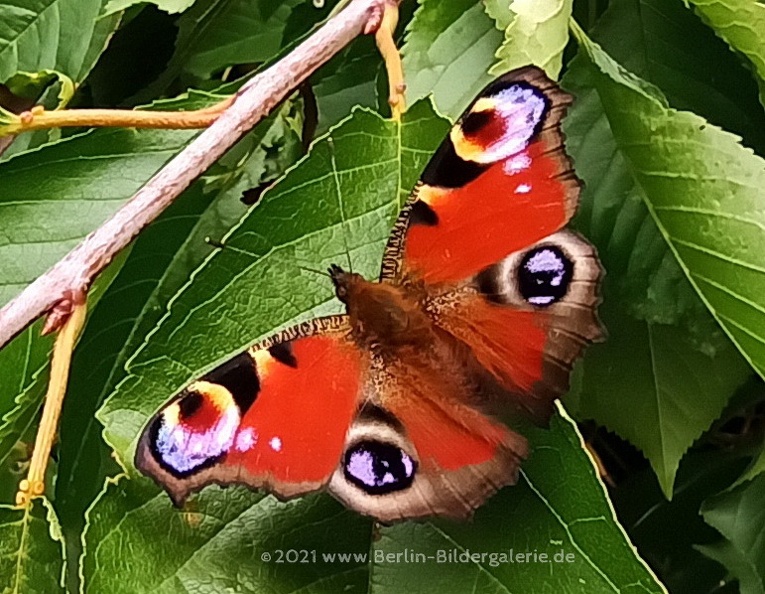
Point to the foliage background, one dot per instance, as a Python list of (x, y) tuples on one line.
[(667, 132)]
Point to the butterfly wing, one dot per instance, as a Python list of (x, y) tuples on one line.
[(482, 232), (417, 447), (499, 182), (274, 417), (527, 319)]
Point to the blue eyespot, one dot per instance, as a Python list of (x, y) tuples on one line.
[(379, 468), (544, 275)]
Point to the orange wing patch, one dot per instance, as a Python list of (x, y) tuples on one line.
[(295, 429), (511, 205)]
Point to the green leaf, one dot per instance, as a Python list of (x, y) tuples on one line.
[(668, 362), (654, 385), (322, 211), (235, 32), (51, 198), (31, 549), (649, 519), (19, 361), (499, 10), (537, 34), (347, 80), (741, 23), (169, 6), (66, 36), (738, 566), (216, 34), (755, 469), (217, 543), (448, 50), (650, 38), (30, 84), (700, 187), (739, 515)]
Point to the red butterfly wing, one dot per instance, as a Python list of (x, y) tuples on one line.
[(275, 417), (482, 233), (500, 182), (418, 448)]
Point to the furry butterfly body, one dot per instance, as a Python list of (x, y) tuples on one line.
[(483, 304)]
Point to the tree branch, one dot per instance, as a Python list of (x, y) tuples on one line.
[(76, 271)]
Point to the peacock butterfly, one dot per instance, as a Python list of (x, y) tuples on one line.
[(483, 301)]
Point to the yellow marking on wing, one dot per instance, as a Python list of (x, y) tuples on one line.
[(465, 149), (484, 104), (263, 362), (216, 394), (431, 195), (171, 416)]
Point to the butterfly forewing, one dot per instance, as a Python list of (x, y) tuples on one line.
[(499, 182), (275, 416)]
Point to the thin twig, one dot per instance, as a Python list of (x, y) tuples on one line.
[(387, 46), (39, 118), (34, 485), (76, 271)]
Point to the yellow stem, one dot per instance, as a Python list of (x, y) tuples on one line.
[(39, 119), (34, 485), (392, 58)]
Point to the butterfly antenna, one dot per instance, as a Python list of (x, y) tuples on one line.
[(314, 270), (331, 145), (348, 254)]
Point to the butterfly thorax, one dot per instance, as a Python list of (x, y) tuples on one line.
[(382, 314)]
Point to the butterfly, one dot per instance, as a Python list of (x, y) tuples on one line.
[(483, 303)]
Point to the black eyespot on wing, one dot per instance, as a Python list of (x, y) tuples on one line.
[(544, 275), (448, 170), (422, 214), (282, 352), (190, 404), (238, 376), (378, 468), (475, 121), (488, 284)]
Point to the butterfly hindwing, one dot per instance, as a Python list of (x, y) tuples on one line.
[(418, 448), (528, 317), (274, 417)]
